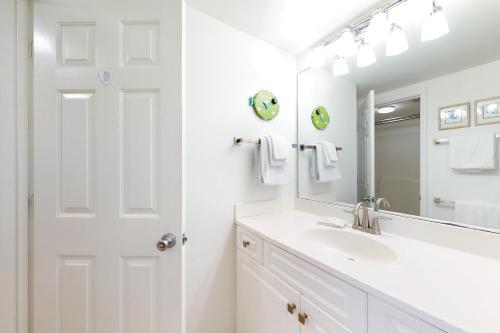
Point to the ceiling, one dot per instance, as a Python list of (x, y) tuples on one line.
[(403, 108), (296, 25), (293, 25)]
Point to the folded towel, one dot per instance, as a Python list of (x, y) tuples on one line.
[(321, 172), (330, 153), (478, 214), (268, 174), (473, 153), (280, 150)]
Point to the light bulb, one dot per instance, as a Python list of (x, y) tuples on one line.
[(346, 45), (340, 66), (378, 29), (318, 56), (397, 43), (435, 26), (366, 56), (386, 109)]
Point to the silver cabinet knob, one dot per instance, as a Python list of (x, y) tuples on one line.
[(167, 241)]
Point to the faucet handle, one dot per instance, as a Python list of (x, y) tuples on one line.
[(382, 201), (374, 227)]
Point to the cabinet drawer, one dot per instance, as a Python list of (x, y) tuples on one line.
[(250, 244), (338, 299), (317, 320), (385, 318)]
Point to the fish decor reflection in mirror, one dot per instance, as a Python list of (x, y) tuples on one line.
[(320, 117), (395, 78)]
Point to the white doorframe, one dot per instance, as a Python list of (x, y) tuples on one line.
[(408, 93), (23, 69), (15, 161)]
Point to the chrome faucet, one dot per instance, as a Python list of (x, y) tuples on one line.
[(360, 224), (365, 224)]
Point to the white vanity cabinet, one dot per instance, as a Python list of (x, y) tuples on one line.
[(265, 304), (278, 292), (385, 318)]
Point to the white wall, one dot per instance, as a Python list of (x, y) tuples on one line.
[(465, 86), (8, 285), (224, 67), (318, 87)]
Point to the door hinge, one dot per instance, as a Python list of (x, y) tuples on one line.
[(184, 238), (30, 49)]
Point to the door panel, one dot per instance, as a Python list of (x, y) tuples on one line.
[(318, 321), (384, 318), (107, 166), (263, 300), (366, 138)]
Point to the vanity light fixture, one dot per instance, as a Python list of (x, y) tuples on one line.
[(340, 66), (346, 45), (386, 109), (436, 25), (378, 28), (397, 42), (366, 56), (384, 23), (318, 56)]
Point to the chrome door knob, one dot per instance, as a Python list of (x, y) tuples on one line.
[(167, 241)]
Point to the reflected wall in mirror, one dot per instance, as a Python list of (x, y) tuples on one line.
[(386, 116), (318, 181)]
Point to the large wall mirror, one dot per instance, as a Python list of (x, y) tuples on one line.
[(420, 128)]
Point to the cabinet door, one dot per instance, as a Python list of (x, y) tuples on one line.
[(263, 300), (384, 318), (315, 320)]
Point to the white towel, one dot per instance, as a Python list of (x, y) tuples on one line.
[(268, 174), (321, 172), (280, 150), (473, 153), (478, 213), (330, 153)]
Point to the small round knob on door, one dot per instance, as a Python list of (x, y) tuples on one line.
[(302, 318), (167, 241)]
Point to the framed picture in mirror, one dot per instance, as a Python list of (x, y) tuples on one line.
[(488, 111), (454, 116)]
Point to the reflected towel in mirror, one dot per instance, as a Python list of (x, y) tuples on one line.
[(330, 153), (473, 153), (478, 213), (321, 172)]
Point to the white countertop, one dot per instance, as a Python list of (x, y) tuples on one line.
[(453, 290)]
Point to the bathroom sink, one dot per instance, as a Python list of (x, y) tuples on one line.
[(352, 244)]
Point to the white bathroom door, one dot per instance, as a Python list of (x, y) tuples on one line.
[(107, 166), (368, 137)]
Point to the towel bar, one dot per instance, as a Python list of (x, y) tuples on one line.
[(439, 201), (237, 141), (447, 141)]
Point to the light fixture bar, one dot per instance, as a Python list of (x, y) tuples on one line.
[(361, 26)]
